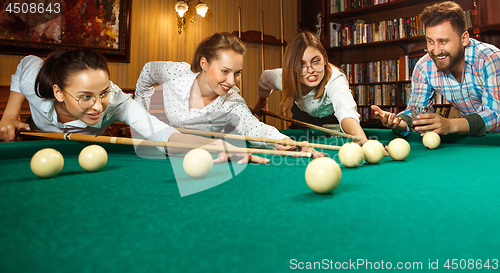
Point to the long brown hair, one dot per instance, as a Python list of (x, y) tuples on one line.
[(291, 68), (210, 47)]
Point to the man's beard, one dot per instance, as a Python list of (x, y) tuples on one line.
[(450, 63)]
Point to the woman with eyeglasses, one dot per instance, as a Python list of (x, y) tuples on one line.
[(71, 92), (203, 95), (314, 90)]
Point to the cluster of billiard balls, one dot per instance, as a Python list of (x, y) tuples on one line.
[(49, 162), (323, 174)]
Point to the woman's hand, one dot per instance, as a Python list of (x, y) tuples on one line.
[(261, 105), (8, 128), (243, 158), (311, 150)]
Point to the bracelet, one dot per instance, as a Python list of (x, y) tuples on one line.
[(264, 100)]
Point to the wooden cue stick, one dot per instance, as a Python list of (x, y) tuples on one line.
[(135, 141), (283, 123), (240, 84), (239, 22), (262, 39), (263, 66), (259, 139), (311, 125)]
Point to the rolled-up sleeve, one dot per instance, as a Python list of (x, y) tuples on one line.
[(270, 80), (154, 73), (341, 97), (137, 117)]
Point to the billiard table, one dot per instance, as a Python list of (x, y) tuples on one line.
[(436, 209)]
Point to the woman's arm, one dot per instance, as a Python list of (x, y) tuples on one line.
[(11, 118)]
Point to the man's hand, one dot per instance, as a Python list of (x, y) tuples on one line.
[(389, 119), (439, 124)]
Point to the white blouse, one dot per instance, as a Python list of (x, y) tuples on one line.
[(121, 108), (177, 80), (337, 98)]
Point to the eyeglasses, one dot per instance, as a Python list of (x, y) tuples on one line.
[(317, 66), (87, 101)]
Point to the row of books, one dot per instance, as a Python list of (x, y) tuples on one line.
[(383, 71), (343, 5), (380, 94), (407, 63), (372, 72), (405, 95), (447, 111), (439, 99), (358, 32), (385, 94)]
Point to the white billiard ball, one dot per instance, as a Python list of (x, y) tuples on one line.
[(323, 175), (197, 163), (351, 155), (93, 158), (431, 140), (47, 163), (398, 149), (374, 151)]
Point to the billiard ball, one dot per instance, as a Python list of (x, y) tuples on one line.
[(197, 163), (93, 158), (431, 140), (47, 163), (398, 149), (351, 155), (374, 151), (323, 175)]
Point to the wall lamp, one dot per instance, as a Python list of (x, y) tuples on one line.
[(182, 9)]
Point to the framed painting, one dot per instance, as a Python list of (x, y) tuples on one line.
[(40, 26)]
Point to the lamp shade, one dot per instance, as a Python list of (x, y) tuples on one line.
[(201, 9), (181, 7)]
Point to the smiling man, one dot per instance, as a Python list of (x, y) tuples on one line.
[(466, 72)]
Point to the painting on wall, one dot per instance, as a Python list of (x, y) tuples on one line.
[(41, 26)]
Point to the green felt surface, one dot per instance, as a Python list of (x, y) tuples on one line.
[(436, 205)]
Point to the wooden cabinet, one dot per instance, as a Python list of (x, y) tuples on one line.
[(373, 44)]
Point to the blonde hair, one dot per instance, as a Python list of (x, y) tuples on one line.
[(291, 68), (210, 47)]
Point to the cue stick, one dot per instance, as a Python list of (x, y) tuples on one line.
[(262, 49), (283, 123), (262, 38), (259, 139), (134, 141), (239, 22), (239, 36), (311, 125)]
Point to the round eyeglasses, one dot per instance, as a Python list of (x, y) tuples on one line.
[(317, 66), (86, 102)]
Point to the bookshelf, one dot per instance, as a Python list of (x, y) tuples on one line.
[(388, 32)]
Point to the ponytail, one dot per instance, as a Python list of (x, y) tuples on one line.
[(210, 47), (60, 66)]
